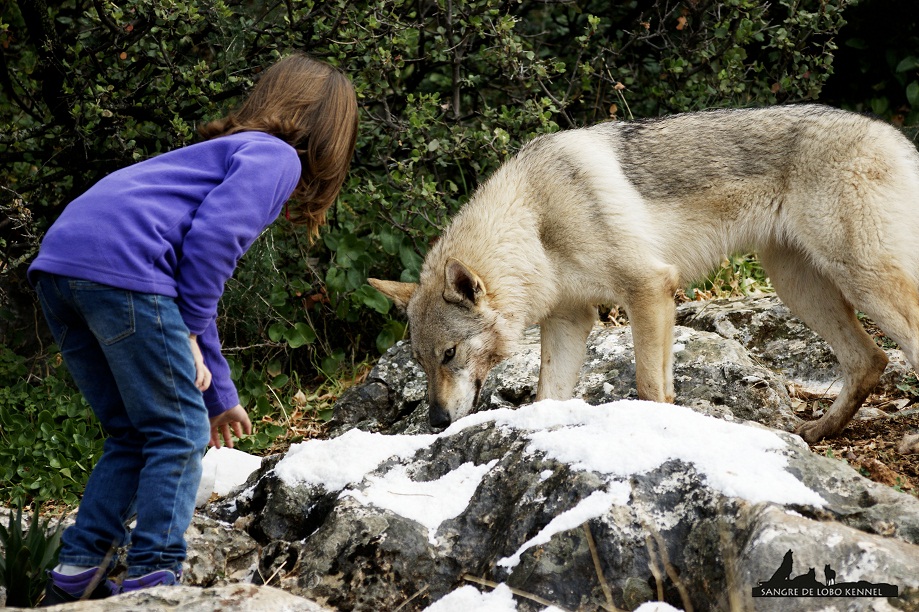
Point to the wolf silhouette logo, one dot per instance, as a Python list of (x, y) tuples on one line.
[(782, 584), (784, 572)]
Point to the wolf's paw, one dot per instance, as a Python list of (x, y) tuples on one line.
[(814, 431)]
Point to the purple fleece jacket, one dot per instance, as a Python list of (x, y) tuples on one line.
[(176, 225)]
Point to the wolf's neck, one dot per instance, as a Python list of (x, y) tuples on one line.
[(497, 235)]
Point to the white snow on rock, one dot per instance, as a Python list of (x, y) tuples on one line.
[(430, 502), (632, 437), (224, 469), (338, 462), (618, 439), (594, 505)]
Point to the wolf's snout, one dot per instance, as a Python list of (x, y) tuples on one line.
[(438, 417)]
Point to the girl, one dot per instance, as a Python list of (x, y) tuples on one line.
[(129, 277)]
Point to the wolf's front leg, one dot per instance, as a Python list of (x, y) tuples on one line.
[(652, 313), (563, 337)]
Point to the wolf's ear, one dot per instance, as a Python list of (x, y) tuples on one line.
[(399, 293), (462, 284)]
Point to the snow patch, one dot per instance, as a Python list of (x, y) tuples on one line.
[(338, 462), (428, 502)]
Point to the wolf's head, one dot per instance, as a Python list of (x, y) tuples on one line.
[(456, 336)]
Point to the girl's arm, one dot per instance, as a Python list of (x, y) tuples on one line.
[(221, 395), (224, 422), (260, 177), (202, 373)]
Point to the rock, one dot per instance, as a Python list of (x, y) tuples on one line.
[(765, 327), (231, 598), (218, 554), (734, 360), (711, 374), (508, 497), (392, 398), (909, 445), (577, 504), (855, 557)]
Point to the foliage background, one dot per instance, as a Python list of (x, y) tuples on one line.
[(448, 89)]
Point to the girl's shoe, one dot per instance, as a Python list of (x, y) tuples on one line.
[(62, 588), (157, 578)]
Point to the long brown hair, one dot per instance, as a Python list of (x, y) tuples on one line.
[(312, 106)]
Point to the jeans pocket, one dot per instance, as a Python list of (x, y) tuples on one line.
[(108, 311)]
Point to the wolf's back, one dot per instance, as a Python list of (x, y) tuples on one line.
[(740, 179)]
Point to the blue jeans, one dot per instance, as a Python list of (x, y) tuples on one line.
[(129, 354)]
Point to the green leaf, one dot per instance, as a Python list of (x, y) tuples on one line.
[(908, 63), (368, 296), (390, 241), (856, 43), (392, 332), (326, 415), (279, 381), (332, 363), (912, 93), (299, 334), (276, 331), (410, 260), (273, 368), (879, 106)]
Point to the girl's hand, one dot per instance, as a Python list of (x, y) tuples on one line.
[(202, 374), (234, 419)]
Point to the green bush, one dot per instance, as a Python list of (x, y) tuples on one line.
[(448, 90), (878, 61), (26, 556), (49, 440)]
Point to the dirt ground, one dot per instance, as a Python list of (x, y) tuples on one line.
[(873, 446), (884, 449)]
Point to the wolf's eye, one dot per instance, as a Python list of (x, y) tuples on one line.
[(449, 354)]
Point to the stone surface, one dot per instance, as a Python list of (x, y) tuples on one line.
[(231, 598), (715, 375), (736, 360), (781, 342), (218, 554), (717, 545)]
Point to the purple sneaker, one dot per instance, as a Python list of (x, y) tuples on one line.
[(62, 588), (157, 578)]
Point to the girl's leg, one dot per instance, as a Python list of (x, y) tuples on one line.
[(108, 500), (155, 373), (161, 422)]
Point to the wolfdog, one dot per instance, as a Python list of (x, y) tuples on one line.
[(628, 212)]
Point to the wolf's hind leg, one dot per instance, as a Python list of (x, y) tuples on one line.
[(652, 313), (890, 297), (563, 337), (819, 302)]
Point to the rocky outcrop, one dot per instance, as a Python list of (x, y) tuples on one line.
[(565, 502), (697, 505), (232, 598), (765, 327), (734, 358)]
